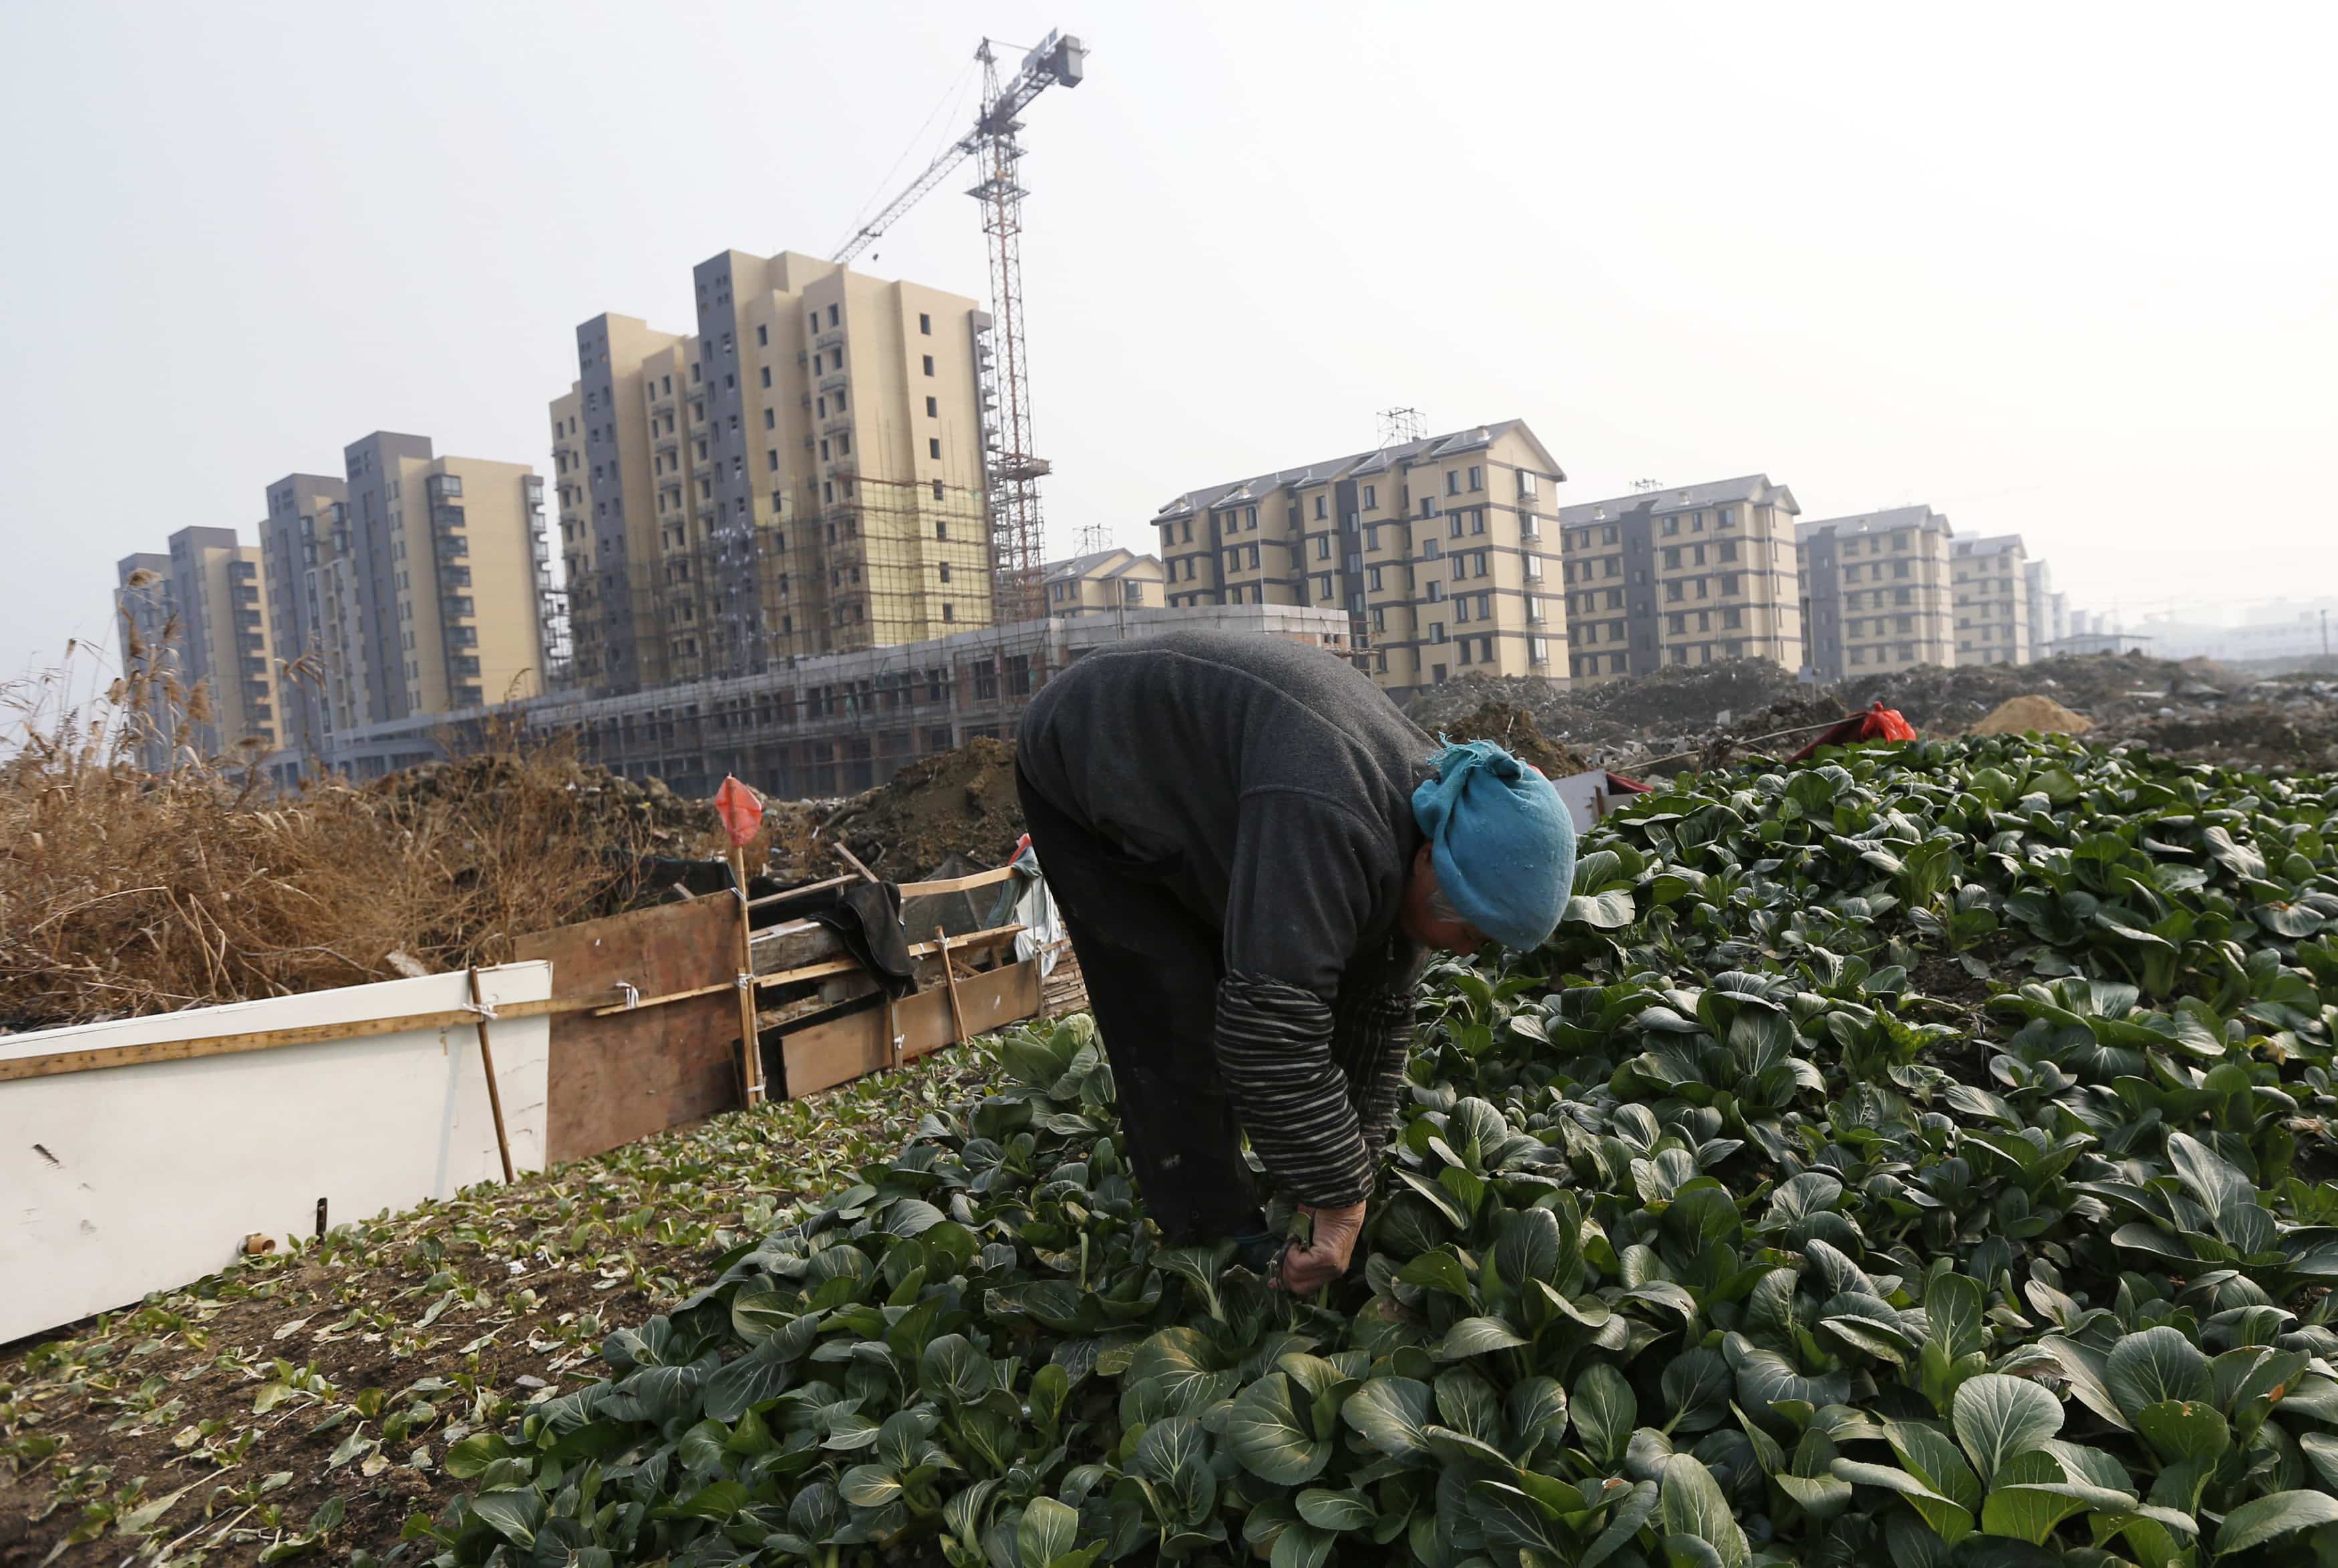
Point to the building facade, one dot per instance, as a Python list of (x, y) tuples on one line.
[(199, 615), (804, 473), (450, 597), (1689, 576), (1992, 601), (1102, 582), (2038, 580), (300, 538), (1878, 594), (830, 724), (1440, 552)]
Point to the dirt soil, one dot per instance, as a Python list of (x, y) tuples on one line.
[(959, 802), (1514, 730), (2021, 715)]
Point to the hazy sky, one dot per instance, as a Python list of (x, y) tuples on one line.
[(2070, 271)]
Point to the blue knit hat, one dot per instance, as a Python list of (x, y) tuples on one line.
[(1501, 840)]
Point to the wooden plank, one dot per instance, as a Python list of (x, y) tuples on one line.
[(793, 945), (624, 1075), (843, 1049), (58, 1062), (954, 884), (769, 900)]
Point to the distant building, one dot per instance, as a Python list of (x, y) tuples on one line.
[(1692, 576), (445, 599), (1992, 601), (804, 473), (201, 637), (1107, 579), (1437, 548), (303, 547), (1877, 594), (2038, 583)]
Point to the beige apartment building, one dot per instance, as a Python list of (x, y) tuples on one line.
[(1440, 550), (1992, 601), (200, 615), (1692, 575), (1876, 591), (445, 592), (1102, 581), (802, 475)]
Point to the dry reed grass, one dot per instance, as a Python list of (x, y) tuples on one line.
[(124, 890)]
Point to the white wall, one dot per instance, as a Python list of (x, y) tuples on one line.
[(125, 1181)]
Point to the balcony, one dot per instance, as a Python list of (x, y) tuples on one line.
[(456, 607), (835, 381), (833, 337)]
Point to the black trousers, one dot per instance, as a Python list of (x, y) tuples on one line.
[(1151, 970)]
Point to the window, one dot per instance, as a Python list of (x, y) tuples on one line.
[(1322, 547), (1436, 593), (937, 496), (1372, 497), (933, 446), (1322, 504), (1453, 526), (1379, 618), (1672, 593), (941, 530), (771, 459), (1476, 478), (1253, 557), (1436, 635), (1671, 557), (1728, 517), (814, 318), (1323, 585), (1250, 518), (1672, 524), (1453, 481), (929, 364), (925, 324), (949, 611), (1729, 550), (933, 408), (1728, 583), (1462, 609), (832, 315), (771, 419), (1731, 620)]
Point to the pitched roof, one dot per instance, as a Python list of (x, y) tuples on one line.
[(1755, 489), (1381, 459), (1884, 522), (1996, 544)]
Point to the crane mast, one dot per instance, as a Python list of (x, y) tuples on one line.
[(1018, 530)]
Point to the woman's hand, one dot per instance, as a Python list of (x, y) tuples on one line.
[(1306, 1269)]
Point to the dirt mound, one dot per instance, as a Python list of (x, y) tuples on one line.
[(959, 802), (648, 818), (2022, 715), (1672, 701), (1514, 730)]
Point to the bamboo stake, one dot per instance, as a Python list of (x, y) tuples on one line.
[(950, 979), (854, 861), (750, 1087), (495, 1092)]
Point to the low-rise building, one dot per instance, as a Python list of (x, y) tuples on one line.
[(1439, 549), (1693, 574), (1102, 581), (1991, 583), (1878, 594)]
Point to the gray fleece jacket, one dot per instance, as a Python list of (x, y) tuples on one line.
[(1268, 786)]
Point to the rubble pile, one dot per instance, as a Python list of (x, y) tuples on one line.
[(1513, 728), (960, 802), (648, 817)]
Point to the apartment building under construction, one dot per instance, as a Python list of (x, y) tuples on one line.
[(1436, 547), (1876, 591), (1691, 575), (802, 475)]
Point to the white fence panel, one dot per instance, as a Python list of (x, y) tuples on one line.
[(123, 1181)]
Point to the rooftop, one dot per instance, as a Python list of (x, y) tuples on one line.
[(1755, 489), (1883, 522), (1996, 544), (1402, 455)]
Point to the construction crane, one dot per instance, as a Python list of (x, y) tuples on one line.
[(1017, 535)]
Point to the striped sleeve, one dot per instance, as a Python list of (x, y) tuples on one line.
[(1276, 1058), (1371, 1036)]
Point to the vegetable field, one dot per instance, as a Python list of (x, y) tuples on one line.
[(1712, 1236)]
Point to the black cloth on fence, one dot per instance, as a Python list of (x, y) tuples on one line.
[(865, 917)]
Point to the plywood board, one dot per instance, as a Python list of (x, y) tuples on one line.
[(626, 1075), (146, 1177), (838, 1052)]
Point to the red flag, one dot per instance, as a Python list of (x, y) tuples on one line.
[(742, 810)]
